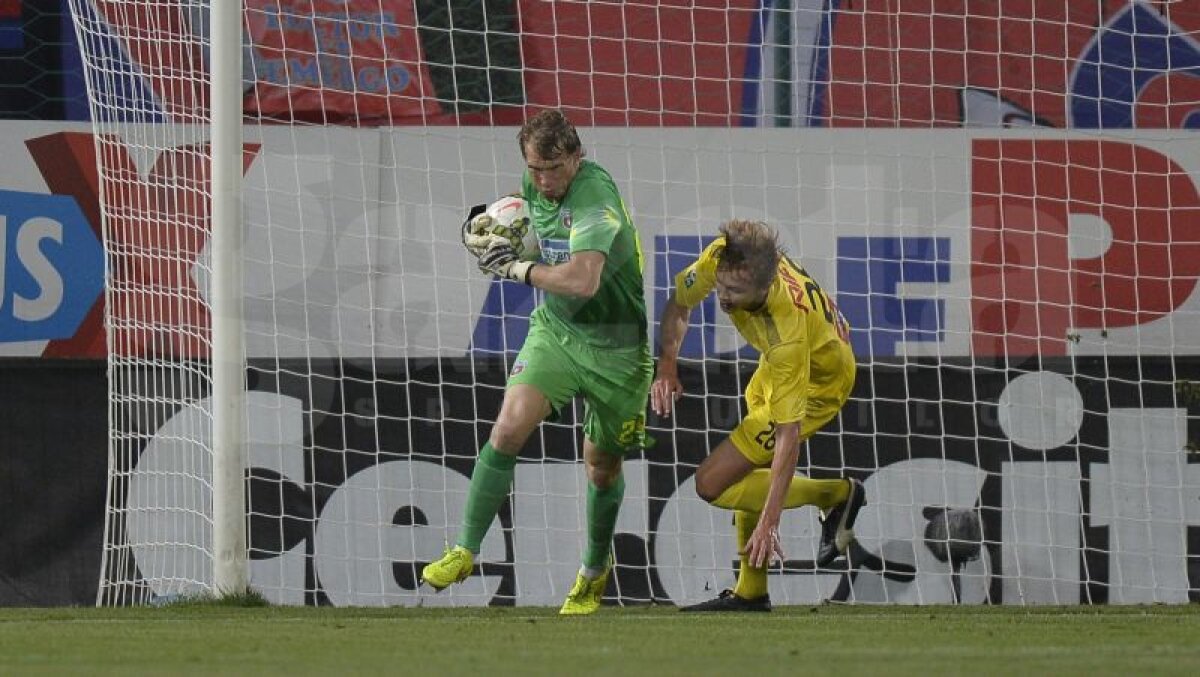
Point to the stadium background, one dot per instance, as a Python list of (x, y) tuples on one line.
[(53, 405)]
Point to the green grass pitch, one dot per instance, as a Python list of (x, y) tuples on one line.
[(802, 640)]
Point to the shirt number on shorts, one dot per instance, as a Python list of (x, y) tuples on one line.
[(766, 438), (632, 430)]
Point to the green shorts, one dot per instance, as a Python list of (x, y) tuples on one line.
[(614, 383)]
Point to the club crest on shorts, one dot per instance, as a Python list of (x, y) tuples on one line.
[(518, 367)]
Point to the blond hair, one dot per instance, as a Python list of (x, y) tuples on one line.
[(551, 134), (751, 248)]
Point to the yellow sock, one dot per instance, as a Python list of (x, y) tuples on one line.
[(751, 582), (750, 492)]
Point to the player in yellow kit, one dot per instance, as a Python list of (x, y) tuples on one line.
[(804, 376)]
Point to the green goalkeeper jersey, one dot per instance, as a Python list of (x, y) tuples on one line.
[(592, 217)]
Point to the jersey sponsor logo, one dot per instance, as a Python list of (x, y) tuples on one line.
[(555, 250)]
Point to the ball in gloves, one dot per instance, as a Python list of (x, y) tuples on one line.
[(508, 218)]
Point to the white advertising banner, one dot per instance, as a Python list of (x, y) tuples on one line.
[(945, 243)]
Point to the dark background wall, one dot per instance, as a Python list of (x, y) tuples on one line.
[(53, 460), (41, 75)]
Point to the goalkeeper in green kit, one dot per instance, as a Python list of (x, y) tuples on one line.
[(588, 337)]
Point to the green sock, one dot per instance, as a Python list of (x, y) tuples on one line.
[(602, 508), (491, 481)]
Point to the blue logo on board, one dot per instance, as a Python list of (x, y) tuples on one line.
[(53, 266)]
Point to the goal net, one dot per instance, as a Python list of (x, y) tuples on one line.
[(1001, 197)]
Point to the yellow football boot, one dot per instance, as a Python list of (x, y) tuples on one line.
[(585, 595), (455, 565)]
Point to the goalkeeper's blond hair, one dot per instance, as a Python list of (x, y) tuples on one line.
[(752, 249), (551, 134)]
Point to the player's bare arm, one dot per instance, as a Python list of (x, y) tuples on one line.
[(764, 544), (666, 388)]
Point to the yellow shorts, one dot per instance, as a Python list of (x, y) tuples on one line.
[(755, 435)]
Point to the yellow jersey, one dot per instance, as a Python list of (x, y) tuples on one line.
[(802, 338)]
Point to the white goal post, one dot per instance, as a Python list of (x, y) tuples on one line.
[(1002, 204), (231, 568)]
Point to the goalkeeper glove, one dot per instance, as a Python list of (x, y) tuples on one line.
[(475, 236), (500, 259)]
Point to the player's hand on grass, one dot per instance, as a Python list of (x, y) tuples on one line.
[(764, 545), (665, 390), (500, 259)]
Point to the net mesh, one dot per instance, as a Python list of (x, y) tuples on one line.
[(998, 196)]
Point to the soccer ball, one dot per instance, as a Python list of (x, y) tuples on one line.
[(509, 219)]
